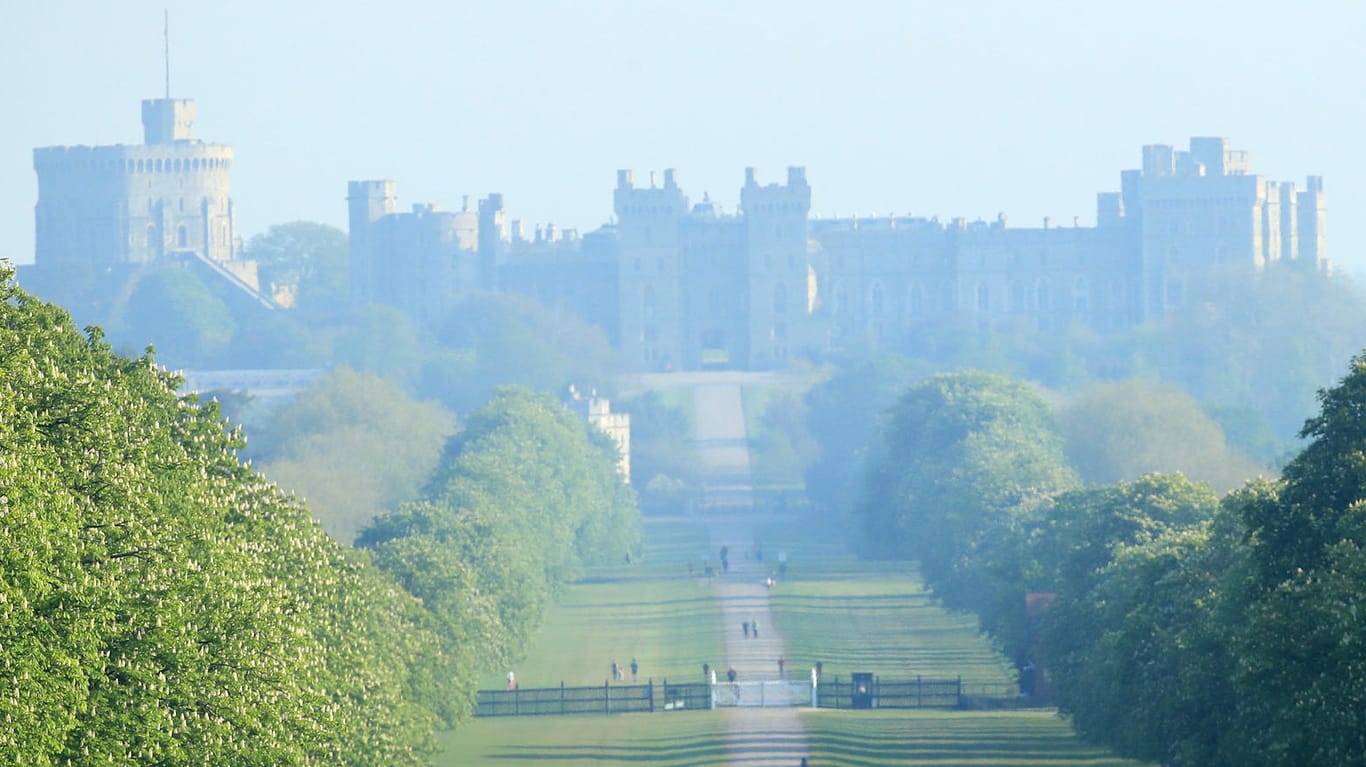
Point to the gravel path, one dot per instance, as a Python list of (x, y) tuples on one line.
[(757, 737)]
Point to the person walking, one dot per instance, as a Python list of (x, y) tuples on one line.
[(512, 681), (781, 663), (634, 668), (745, 626), (754, 629)]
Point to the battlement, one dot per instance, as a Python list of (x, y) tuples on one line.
[(167, 120), (630, 200), (790, 198)]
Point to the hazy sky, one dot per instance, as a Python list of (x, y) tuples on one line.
[(938, 109)]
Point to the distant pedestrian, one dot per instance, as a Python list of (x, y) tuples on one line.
[(730, 675), (745, 626), (782, 662), (819, 668), (616, 670), (634, 668), (754, 629), (803, 762), (706, 672), (512, 681)]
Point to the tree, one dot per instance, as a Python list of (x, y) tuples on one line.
[(1120, 431), (525, 495), (173, 310), (842, 418), (518, 341), (1306, 630), (663, 458), (161, 604), (961, 458), (305, 261), (354, 444)]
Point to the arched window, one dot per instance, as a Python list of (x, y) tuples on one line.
[(182, 236), (779, 299), (152, 235), (1081, 295)]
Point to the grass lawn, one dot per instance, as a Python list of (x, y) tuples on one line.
[(958, 738), (653, 612), (690, 739)]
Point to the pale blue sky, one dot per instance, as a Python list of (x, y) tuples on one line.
[(938, 109)]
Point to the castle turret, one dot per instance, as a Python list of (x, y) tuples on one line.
[(367, 202), (167, 120), (650, 253), (775, 241)]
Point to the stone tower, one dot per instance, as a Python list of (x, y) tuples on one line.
[(367, 202), (106, 206), (775, 246), (649, 279)]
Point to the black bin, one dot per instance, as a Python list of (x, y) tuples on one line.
[(862, 694)]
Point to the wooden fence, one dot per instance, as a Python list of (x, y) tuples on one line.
[(606, 698)]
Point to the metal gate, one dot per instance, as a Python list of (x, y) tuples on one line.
[(773, 693)]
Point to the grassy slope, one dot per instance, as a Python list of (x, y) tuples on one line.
[(650, 611), (943, 738), (830, 601), (875, 617)]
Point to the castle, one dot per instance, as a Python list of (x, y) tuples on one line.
[(106, 212), (686, 286), (677, 285)]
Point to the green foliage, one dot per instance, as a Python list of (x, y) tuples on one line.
[(524, 496), (161, 604), (1306, 629), (842, 418), (382, 340), (354, 444), (780, 447), (1268, 340), (960, 458), (174, 311), (516, 341), (663, 458), (1120, 431), (305, 260)]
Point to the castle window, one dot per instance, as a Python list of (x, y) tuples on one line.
[(181, 204), (151, 235), (647, 301), (151, 207), (139, 166), (182, 236), (1080, 295), (158, 166)]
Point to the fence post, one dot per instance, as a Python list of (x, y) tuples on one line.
[(919, 700), (561, 697), (516, 700), (960, 690), (877, 689), (606, 698), (650, 683)]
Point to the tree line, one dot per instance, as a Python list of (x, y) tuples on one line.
[(1181, 627), (162, 603)]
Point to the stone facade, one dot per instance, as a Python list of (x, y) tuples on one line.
[(113, 209), (681, 286)]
